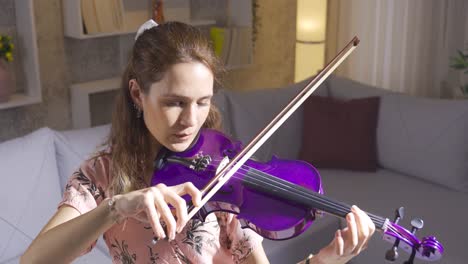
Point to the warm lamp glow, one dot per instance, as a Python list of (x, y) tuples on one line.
[(309, 60), (310, 38), (311, 20)]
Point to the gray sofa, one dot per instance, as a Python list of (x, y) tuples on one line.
[(422, 150), (422, 154)]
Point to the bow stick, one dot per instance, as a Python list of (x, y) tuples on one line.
[(226, 172)]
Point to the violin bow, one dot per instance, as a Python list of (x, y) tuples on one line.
[(228, 170)]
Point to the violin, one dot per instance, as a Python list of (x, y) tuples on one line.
[(278, 199)]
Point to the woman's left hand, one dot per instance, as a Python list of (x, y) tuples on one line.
[(348, 242)]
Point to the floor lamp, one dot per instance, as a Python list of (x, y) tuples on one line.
[(310, 37)]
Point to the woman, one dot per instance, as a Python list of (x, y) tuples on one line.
[(164, 101)]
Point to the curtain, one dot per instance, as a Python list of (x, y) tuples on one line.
[(405, 45)]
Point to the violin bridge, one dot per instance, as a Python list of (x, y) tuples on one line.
[(222, 164)]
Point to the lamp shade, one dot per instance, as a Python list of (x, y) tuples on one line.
[(309, 60), (311, 20)]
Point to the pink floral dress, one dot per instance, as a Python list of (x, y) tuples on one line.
[(219, 239)]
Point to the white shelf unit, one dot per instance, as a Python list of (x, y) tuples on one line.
[(80, 93), (133, 18), (27, 45)]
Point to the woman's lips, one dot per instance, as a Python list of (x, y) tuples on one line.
[(182, 136)]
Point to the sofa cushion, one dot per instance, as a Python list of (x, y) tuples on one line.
[(442, 209), (311, 240), (426, 138), (252, 111), (31, 187), (74, 146), (340, 134), (344, 88)]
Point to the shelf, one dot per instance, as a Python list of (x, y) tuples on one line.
[(135, 14), (80, 92), (20, 99), (118, 33), (27, 45), (97, 86), (133, 18)]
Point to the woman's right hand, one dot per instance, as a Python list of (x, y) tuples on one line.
[(151, 205)]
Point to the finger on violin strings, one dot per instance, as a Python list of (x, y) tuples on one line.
[(369, 224), (180, 207), (351, 239), (153, 216), (190, 189), (164, 211), (362, 227)]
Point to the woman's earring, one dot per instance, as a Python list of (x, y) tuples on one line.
[(138, 111)]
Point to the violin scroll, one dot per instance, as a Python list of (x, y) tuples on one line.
[(428, 249)]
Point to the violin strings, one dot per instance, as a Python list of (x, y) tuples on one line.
[(312, 195), (307, 195), (377, 221), (317, 198), (264, 179)]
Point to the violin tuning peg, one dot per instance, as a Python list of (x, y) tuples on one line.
[(411, 259), (392, 254), (417, 224), (399, 214)]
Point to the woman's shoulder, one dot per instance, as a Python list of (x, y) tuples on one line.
[(98, 167)]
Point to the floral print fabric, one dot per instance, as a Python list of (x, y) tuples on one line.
[(220, 239)]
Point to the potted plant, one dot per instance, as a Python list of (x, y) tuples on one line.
[(6, 56), (460, 63)]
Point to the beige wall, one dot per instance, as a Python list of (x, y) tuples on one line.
[(274, 49), (54, 111), (274, 65)]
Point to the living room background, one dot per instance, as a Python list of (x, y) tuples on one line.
[(61, 63), (405, 47)]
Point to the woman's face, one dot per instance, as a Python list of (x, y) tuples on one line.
[(176, 107)]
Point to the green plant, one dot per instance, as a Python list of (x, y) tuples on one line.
[(460, 62), (6, 48)]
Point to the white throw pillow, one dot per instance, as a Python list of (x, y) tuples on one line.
[(30, 192)]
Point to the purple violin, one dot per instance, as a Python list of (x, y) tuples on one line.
[(279, 199)]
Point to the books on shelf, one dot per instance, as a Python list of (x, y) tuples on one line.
[(102, 16), (233, 45), (88, 12)]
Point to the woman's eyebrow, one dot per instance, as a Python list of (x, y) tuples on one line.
[(178, 96)]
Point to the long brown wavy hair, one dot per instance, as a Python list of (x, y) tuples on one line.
[(131, 145)]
